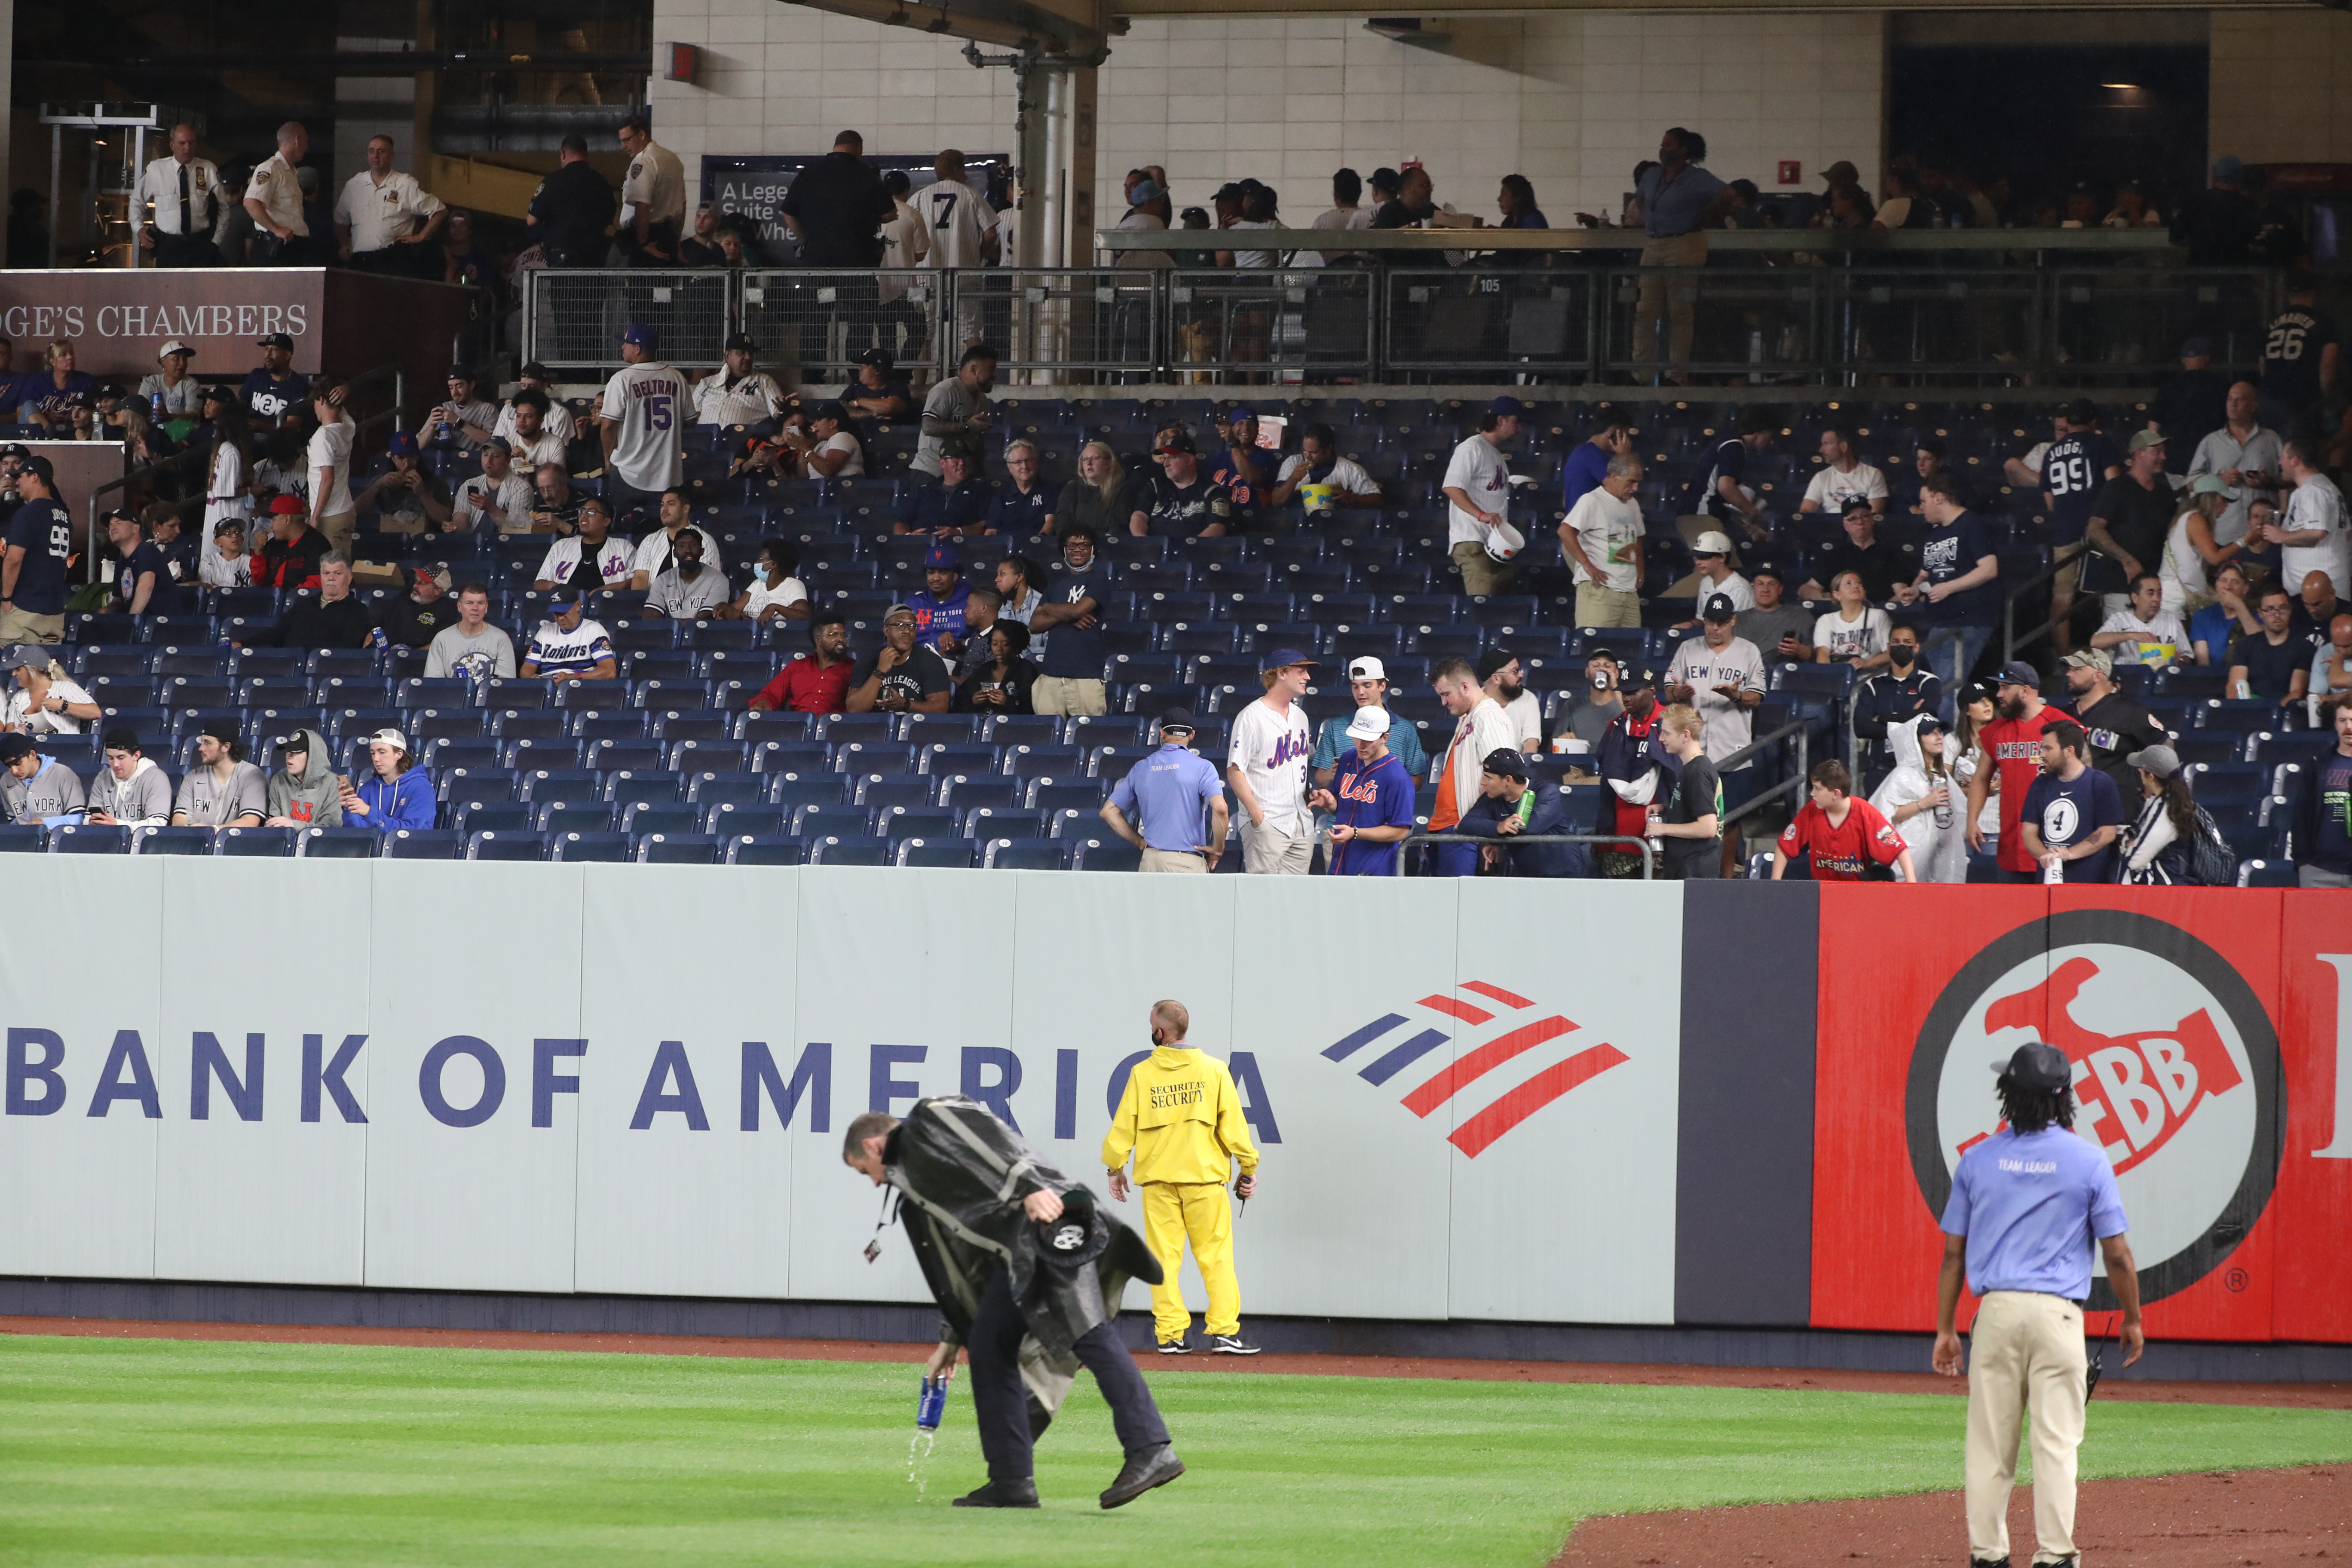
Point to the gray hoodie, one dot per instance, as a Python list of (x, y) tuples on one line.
[(311, 799), (53, 792), (144, 800)]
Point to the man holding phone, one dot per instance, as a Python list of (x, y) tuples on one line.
[(1721, 674)]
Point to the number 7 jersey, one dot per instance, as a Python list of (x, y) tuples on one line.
[(957, 220), (652, 405)]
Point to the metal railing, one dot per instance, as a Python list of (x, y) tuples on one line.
[(1642, 846), (1754, 315), (1793, 784)]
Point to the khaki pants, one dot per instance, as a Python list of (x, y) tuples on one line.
[(1177, 860), (1676, 302), (2025, 1350), (1599, 606), (1067, 696), (339, 529), (1270, 852), (1172, 1212), (22, 626), (1482, 574)]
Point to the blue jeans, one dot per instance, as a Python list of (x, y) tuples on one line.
[(1965, 641)]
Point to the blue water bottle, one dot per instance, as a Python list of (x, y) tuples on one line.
[(932, 1405), (157, 402)]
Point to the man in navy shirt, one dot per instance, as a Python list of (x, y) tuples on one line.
[(1957, 591), (957, 504), (875, 389), (2026, 1203), (1720, 494), (1370, 800), (2322, 807), (1589, 464), (274, 391), (1679, 200), (33, 574), (1072, 608), (2076, 468), (939, 607), (2071, 812), (142, 578)]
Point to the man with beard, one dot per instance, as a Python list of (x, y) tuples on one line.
[(2012, 744), (1499, 674), (2117, 725), (1638, 768), (1027, 1271)]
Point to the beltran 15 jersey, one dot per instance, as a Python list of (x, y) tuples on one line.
[(652, 405)]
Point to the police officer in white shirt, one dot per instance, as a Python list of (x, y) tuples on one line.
[(738, 392), (185, 191), (654, 197), (961, 229), (378, 215), (274, 199)]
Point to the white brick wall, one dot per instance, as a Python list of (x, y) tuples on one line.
[(1570, 102)]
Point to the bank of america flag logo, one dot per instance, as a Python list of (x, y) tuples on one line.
[(1469, 1072)]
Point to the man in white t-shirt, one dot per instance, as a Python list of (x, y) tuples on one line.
[(498, 499), (1477, 491), (1602, 538), (1320, 480), (553, 417), (1841, 476), (738, 392), (641, 422), (2312, 535), (1503, 679), (2144, 631), (330, 463), (1711, 554), (654, 552), (1721, 674), (960, 230), (1266, 765)]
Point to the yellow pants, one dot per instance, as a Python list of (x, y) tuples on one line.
[(2025, 1351), (1201, 1210)]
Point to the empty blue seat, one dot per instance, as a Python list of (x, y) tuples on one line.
[(846, 849), (501, 844), (262, 841), (1107, 855), (337, 844), (988, 822), (678, 849), (835, 819), (601, 846), (731, 819), (710, 756), (89, 839), (168, 841), (918, 822), (954, 854), (593, 815), (424, 844), (708, 789), (475, 816), (641, 818), (757, 850), (1028, 855), (883, 790)]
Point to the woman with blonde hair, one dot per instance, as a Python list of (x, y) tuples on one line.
[(1102, 496), (46, 700)]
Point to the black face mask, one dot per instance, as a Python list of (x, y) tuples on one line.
[(1901, 654)]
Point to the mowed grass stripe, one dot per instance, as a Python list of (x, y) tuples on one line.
[(126, 1451)]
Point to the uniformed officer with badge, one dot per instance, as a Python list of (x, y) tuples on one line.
[(653, 192), (386, 222), (185, 191), (2025, 1205)]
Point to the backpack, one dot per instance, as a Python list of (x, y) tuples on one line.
[(2212, 862)]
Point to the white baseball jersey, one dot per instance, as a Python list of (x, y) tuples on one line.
[(725, 398), (556, 422), (505, 502), (651, 403), (615, 560), (956, 220), (558, 652)]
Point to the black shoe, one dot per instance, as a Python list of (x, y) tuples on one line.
[(1001, 1494), (1177, 1346), (1152, 1468), (1232, 1344), (1988, 1563)]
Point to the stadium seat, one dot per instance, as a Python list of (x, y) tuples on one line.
[(1107, 855), (267, 842), (848, 850), (424, 844), (678, 849), (754, 850), (602, 847), (1028, 855), (956, 854), (336, 844), (169, 840)]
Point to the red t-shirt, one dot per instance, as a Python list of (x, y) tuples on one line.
[(1843, 851), (2015, 747), (802, 688)]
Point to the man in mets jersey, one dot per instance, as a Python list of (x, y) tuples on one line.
[(645, 409), (1370, 801), (1181, 1116)]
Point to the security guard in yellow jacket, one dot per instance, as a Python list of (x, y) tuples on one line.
[(1182, 1118)]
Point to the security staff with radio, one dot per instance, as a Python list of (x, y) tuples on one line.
[(186, 193), (572, 211), (2025, 1205)]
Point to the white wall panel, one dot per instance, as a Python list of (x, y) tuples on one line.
[(488, 949), (666, 1209), (278, 1198), (79, 967)]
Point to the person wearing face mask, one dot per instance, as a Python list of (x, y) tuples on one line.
[(1924, 802), (1638, 768), (1499, 673), (1905, 687), (1180, 1117)]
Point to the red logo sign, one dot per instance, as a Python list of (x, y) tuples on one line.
[(1478, 1132)]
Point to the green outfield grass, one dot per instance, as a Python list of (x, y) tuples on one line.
[(122, 1451)]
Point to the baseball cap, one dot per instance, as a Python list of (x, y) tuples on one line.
[(2142, 440), (13, 748), (287, 506), (637, 332), (403, 443), (459, 373), (1368, 724), (293, 741), (742, 341), (1925, 722), (2096, 658), (1764, 569), (900, 609), (28, 656), (1283, 659), (173, 346), (2210, 485), (2161, 761), (1175, 441), (221, 730), (275, 341), (122, 738), (16, 449), (1367, 668), (1720, 608), (499, 443), (2019, 674), (562, 603), (1144, 190), (1636, 679), (1493, 659), (1842, 174), (942, 558), (1506, 407), (1237, 413), (2082, 411), (1711, 542), (2195, 348), (1856, 503), (2038, 1067), (390, 737), (38, 464), (878, 358), (1504, 763), (1177, 718)]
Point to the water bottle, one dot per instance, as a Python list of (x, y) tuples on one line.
[(155, 402), (376, 639), (441, 434), (932, 1405)]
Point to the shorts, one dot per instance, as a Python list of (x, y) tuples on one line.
[(2070, 567), (1269, 851)]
